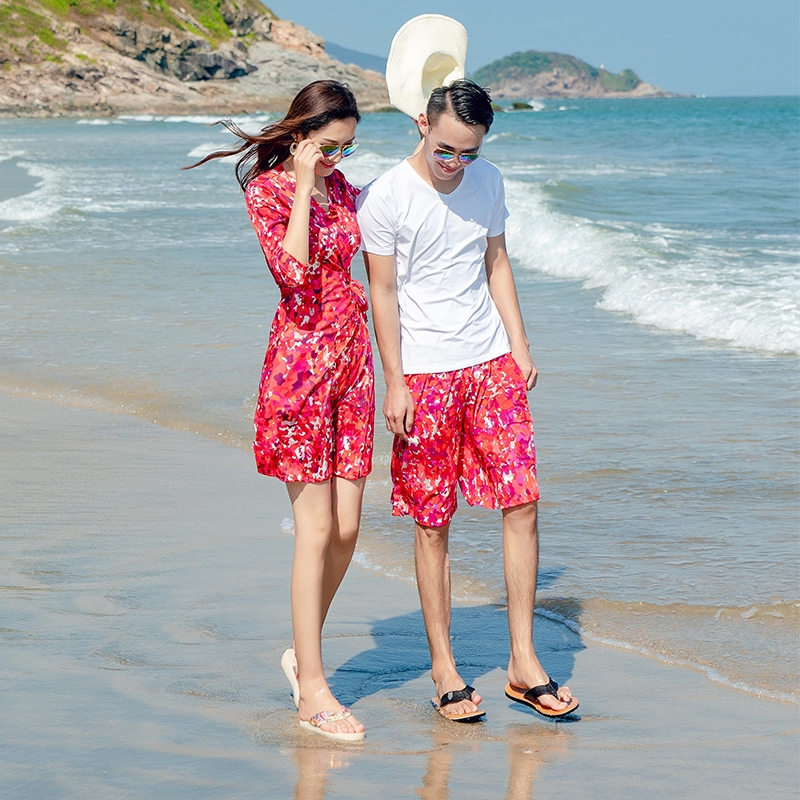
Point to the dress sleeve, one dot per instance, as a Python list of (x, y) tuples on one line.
[(269, 206)]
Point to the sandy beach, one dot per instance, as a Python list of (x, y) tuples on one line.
[(143, 612)]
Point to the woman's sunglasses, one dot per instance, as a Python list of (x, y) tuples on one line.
[(448, 155), (330, 150)]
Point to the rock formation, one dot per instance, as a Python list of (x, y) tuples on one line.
[(199, 56), (533, 74)]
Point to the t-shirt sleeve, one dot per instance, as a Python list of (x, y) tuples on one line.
[(500, 214), (377, 222), (269, 207)]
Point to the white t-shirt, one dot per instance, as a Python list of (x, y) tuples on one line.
[(448, 319)]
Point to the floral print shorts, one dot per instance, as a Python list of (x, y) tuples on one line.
[(472, 428)]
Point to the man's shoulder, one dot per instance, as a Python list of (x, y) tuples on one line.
[(484, 170), (384, 186), (393, 173)]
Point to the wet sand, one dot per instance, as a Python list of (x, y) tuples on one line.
[(144, 609)]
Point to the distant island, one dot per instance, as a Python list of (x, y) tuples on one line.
[(534, 74), (221, 57)]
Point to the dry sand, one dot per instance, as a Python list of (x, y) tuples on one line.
[(144, 609)]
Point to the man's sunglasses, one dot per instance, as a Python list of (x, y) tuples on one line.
[(448, 155), (330, 150)]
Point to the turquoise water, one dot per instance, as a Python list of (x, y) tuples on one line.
[(656, 252)]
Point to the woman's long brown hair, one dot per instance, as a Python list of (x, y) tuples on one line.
[(313, 108)]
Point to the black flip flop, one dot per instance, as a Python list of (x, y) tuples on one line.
[(529, 697), (456, 697)]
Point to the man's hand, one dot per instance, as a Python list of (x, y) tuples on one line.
[(525, 363), (398, 409)]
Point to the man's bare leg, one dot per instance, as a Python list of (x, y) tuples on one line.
[(433, 582), (521, 563)]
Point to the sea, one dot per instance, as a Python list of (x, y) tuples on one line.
[(655, 245)]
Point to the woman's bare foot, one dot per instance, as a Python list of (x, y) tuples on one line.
[(319, 699)]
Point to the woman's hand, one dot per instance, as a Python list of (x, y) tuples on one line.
[(306, 157)]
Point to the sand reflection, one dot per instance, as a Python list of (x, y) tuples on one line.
[(448, 763), (314, 764), (529, 747)]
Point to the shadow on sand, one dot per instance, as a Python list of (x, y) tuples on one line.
[(480, 645)]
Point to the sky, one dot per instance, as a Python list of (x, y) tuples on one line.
[(711, 47)]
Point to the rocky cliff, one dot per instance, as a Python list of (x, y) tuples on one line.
[(90, 57), (533, 74)]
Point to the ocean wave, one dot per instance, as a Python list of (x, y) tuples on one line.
[(522, 137), (697, 282), (242, 120), (202, 150), (363, 167), (37, 205)]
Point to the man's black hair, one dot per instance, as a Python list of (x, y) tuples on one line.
[(465, 99)]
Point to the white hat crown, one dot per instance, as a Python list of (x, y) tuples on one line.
[(429, 51)]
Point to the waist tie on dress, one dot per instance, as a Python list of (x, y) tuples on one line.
[(359, 295)]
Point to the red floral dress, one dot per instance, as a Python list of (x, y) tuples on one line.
[(316, 402)]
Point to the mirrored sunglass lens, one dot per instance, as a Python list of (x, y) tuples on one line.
[(329, 150), (444, 155), (349, 149), (468, 158)]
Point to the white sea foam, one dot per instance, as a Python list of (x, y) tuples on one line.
[(670, 278), (38, 204), (245, 121), (204, 149), (363, 167)]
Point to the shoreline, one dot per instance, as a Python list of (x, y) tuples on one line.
[(145, 608)]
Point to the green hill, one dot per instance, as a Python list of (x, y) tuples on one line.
[(538, 74), (209, 19)]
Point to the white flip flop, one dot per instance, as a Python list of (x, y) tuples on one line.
[(289, 667), (324, 717)]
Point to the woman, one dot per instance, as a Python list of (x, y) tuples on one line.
[(315, 414)]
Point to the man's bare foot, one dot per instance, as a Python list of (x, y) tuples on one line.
[(454, 683), (533, 674)]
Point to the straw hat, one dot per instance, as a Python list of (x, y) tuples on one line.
[(429, 51)]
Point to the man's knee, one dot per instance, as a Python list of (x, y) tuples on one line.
[(431, 536), (523, 517)]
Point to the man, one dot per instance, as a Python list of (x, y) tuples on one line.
[(457, 366)]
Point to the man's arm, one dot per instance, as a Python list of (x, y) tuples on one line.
[(504, 293), (398, 407)]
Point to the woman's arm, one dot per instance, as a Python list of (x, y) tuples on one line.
[(280, 218), (305, 158)]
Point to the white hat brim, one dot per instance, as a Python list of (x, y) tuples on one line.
[(429, 51)]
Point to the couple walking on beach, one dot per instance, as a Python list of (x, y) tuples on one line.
[(452, 343)]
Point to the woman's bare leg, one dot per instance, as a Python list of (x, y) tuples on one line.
[(314, 581), (346, 499)]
